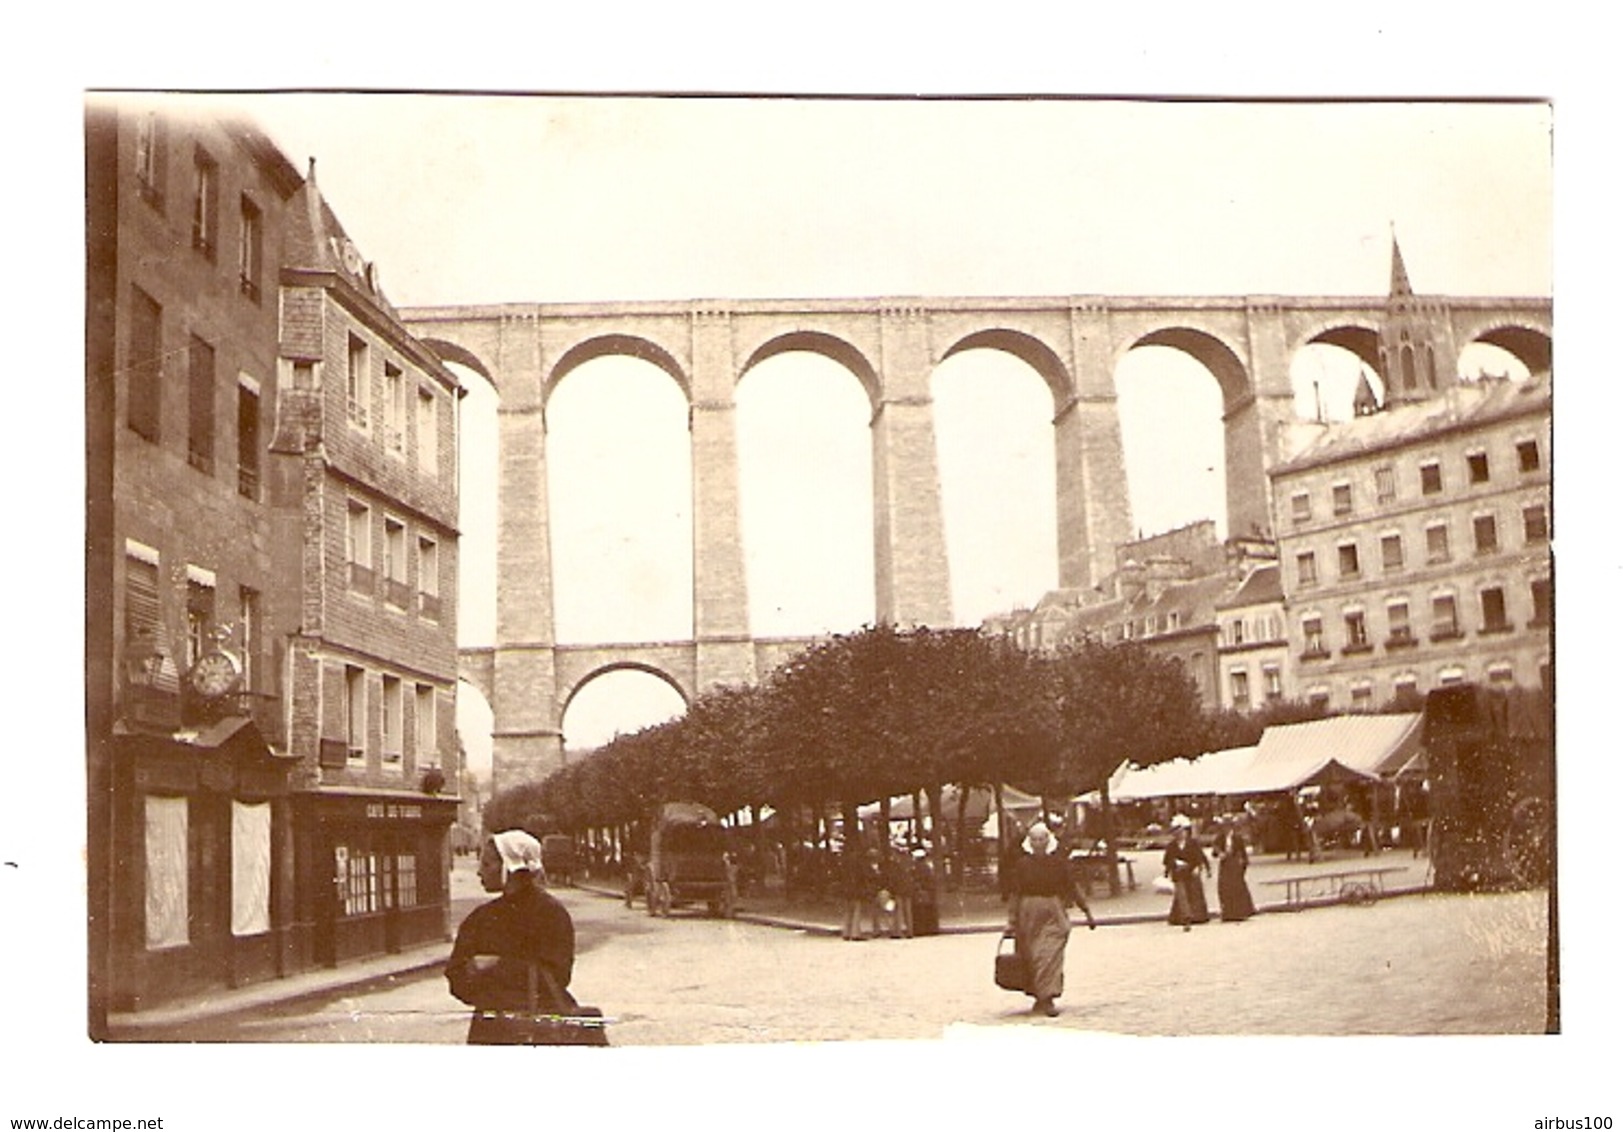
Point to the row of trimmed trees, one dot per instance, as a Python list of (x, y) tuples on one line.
[(887, 712)]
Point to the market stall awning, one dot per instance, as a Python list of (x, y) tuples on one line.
[(1208, 774), (1344, 746)]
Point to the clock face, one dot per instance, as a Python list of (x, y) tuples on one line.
[(215, 674)]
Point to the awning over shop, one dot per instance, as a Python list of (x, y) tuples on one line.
[(1206, 774), (1287, 757)]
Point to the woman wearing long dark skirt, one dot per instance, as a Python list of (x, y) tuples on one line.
[(1041, 891), (1185, 861), (1233, 858)]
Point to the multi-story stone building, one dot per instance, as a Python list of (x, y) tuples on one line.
[(1166, 592), (191, 855), (1414, 546), (1253, 654), (225, 623), (365, 486)]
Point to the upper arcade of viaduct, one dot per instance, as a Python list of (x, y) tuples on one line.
[(892, 346)]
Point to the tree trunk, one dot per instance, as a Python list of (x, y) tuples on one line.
[(1107, 814), (1002, 834), (884, 823), (938, 848)]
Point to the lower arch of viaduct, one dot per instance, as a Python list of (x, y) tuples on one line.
[(892, 347)]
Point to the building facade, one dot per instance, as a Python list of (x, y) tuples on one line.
[(1415, 547), (220, 502), (186, 219), (1253, 653), (366, 487)]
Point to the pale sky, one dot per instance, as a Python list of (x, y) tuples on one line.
[(463, 200)]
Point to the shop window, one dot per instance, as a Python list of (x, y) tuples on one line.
[(250, 868), (406, 879), (168, 915), (361, 878)]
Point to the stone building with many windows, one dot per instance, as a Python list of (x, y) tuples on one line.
[(1414, 546), (366, 487), (262, 667)]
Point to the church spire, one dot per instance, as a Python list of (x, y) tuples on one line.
[(1400, 275)]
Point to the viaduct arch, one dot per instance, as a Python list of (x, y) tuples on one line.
[(892, 346)]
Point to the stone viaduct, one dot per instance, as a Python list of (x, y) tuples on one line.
[(892, 347)]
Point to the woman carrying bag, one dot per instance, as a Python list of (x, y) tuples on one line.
[(1041, 890)]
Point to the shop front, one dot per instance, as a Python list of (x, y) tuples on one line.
[(203, 877), (373, 872)]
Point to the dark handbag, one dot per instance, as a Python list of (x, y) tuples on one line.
[(1009, 971), (566, 1023)]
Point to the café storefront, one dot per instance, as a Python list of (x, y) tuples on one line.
[(372, 871)]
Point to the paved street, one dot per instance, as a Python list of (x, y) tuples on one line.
[(1433, 964)]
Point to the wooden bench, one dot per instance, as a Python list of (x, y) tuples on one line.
[(1352, 886)]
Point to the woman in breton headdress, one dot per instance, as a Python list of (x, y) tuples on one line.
[(1042, 890), (1185, 862), (516, 953)]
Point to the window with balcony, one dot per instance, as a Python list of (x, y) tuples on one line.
[(1313, 636), (1485, 530), (428, 578), (1399, 634), (394, 563), (1341, 499), (1445, 623), (1357, 632), (358, 547), (355, 714), (428, 733), (394, 714), (1273, 684), (1437, 543), (1527, 455), (1493, 610)]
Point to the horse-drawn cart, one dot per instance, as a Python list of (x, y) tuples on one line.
[(688, 862)]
